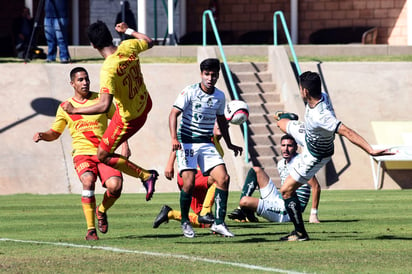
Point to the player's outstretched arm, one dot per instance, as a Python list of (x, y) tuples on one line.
[(124, 28), (102, 106), (358, 140), (224, 129), (48, 136)]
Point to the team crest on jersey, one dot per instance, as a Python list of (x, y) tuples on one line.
[(210, 102), (198, 116)]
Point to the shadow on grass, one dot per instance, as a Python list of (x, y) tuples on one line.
[(337, 221), (392, 237)]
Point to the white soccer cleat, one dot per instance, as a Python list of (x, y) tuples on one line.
[(222, 230), (188, 230)]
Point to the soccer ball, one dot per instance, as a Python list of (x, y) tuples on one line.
[(236, 112)]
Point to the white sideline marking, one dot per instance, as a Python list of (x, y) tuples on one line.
[(190, 258)]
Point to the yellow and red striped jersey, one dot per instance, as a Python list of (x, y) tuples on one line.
[(122, 77), (86, 130)]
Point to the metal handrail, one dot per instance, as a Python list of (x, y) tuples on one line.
[(228, 73), (286, 30)]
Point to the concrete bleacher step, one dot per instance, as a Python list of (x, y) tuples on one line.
[(260, 97), (256, 77), (264, 150), (266, 140), (248, 67), (259, 118), (250, 87), (261, 129), (264, 108), (255, 86)]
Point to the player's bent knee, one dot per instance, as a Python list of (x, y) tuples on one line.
[(243, 202), (102, 155), (88, 180), (114, 185)]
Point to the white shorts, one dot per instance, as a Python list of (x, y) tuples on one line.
[(271, 206), (204, 155), (305, 166)]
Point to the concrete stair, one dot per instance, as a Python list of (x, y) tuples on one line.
[(254, 85)]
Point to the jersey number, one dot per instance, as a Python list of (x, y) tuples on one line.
[(189, 153), (133, 80)]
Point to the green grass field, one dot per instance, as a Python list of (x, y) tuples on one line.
[(361, 232)]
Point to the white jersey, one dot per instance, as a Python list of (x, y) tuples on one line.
[(303, 192), (199, 111), (283, 169), (320, 128)]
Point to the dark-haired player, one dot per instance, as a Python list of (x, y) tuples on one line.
[(201, 104), (86, 132), (121, 80), (318, 134)]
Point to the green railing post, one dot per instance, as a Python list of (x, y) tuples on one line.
[(286, 30), (228, 73)]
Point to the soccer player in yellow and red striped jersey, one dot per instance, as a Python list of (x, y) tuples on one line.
[(86, 132), (121, 80)]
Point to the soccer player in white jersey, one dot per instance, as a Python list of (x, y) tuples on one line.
[(270, 205), (201, 104), (318, 133)]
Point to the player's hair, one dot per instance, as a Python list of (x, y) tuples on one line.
[(289, 137), (311, 81), (99, 35), (211, 64), (76, 70)]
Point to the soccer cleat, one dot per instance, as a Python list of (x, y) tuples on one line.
[(295, 236), (102, 223), (313, 218), (188, 230), (149, 184), (250, 216), (91, 235), (162, 216), (237, 215), (208, 218), (285, 115), (221, 229)]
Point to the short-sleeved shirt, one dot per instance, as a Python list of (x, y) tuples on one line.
[(303, 192), (321, 125), (86, 130), (199, 111), (121, 76)]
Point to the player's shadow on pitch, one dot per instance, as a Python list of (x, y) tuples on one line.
[(393, 237), (337, 221), (44, 105)]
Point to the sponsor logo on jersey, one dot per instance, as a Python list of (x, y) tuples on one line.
[(122, 67), (210, 102), (87, 125)]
